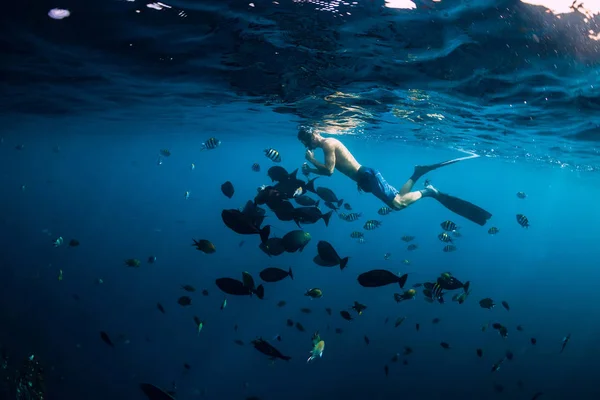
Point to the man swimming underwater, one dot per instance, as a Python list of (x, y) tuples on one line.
[(337, 156)]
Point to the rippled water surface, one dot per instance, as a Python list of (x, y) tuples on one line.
[(498, 76)]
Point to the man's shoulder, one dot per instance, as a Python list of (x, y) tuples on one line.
[(332, 143)]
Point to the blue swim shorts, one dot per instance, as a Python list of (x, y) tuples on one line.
[(371, 181)]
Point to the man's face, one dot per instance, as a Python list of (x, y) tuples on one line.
[(310, 143)]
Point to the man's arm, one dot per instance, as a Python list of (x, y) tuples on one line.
[(329, 166)]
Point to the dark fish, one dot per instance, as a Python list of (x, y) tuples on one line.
[(350, 217), (295, 240), (520, 328), (381, 277), (448, 282), (188, 288), (272, 155), (248, 282), (277, 174), (305, 310), (509, 355), (339, 331), (407, 351), (160, 308), (187, 366), (155, 393), (310, 215), (346, 315), (227, 189), (273, 247), (184, 301), (498, 388), (328, 256), (254, 213), (74, 243), (204, 292), (433, 291), (449, 248), (289, 323), (493, 230), (106, 339), (386, 370), (255, 167), (347, 206), (233, 287), (273, 274), (435, 321), (537, 395), (505, 305), (332, 206), (533, 341), (357, 235), (211, 144), (306, 201), (267, 349), (281, 303), (408, 238), (284, 211), (367, 341), (448, 226), (238, 342), (479, 353), (412, 247), (359, 308), (445, 345), (564, 342), (324, 193), (487, 303), (204, 246), (522, 220), (300, 327), (328, 310), (244, 225), (521, 195), (151, 259), (417, 327)]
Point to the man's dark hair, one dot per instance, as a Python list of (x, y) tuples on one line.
[(305, 134)]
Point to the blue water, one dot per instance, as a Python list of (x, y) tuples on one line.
[(91, 100)]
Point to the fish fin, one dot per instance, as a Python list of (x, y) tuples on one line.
[(340, 202), (466, 286), (292, 174), (310, 185), (290, 273), (264, 233), (343, 263), (260, 292), (402, 281), (326, 217), (317, 203)]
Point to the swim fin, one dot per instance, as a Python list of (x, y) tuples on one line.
[(463, 208), (421, 170)]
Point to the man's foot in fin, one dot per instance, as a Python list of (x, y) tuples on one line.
[(429, 191), (421, 170)]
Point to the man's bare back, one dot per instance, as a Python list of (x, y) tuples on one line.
[(344, 160)]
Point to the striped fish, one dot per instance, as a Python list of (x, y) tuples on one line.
[(385, 210), (449, 248), (522, 220), (372, 224), (357, 235), (255, 167), (433, 291), (444, 237), (211, 144), (351, 217), (273, 155), (448, 226)]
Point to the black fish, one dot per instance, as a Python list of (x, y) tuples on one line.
[(306, 201), (448, 226), (381, 277), (332, 206), (505, 305), (254, 213), (328, 254), (240, 223), (451, 283), (284, 211), (267, 349), (521, 195), (255, 167), (310, 215), (346, 315), (522, 220), (348, 207), (227, 189), (445, 345), (155, 393), (106, 339), (211, 144), (237, 288), (433, 291), (160, 308), (74, 243), (273, 274), (184, 301), (479, 353), (273, 247), (324, 193), (295, 240), (277, 174)]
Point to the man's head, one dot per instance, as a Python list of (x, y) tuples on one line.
[(308, 137)]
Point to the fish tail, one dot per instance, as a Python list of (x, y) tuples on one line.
[(326, 217), (340, 202), (343, 263), (402, 281), (466, 286), (285, 358), (290, 273), (310, 185), (264, 233)]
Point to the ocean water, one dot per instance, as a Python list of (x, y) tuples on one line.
[(90, 100)]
